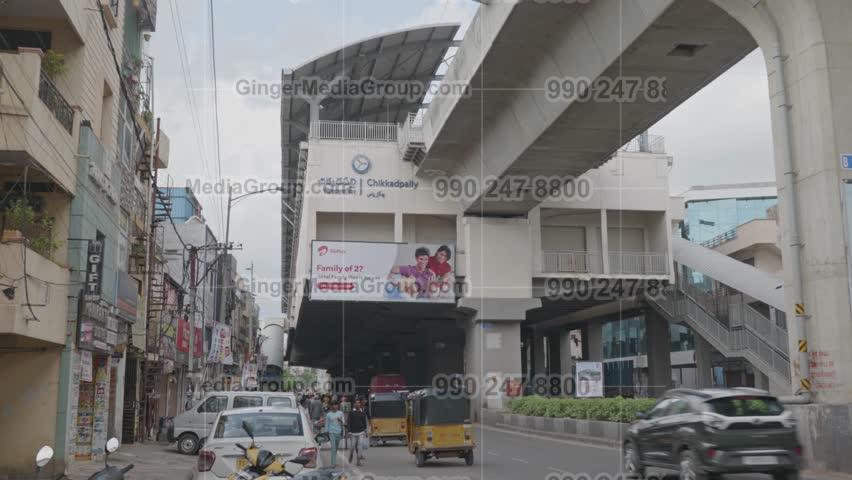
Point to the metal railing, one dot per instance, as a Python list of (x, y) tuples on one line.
[(354, 131), (638, 263), (720, 239), (55, 102), (649, 144), (744, 331), (572, 262)]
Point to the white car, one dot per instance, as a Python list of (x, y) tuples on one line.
[(284, 431)]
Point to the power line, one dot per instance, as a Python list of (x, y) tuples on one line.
[(215, 97)]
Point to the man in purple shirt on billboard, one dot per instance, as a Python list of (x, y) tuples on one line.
[(419, 272)]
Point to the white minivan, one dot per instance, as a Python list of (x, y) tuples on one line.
[(193, 426)]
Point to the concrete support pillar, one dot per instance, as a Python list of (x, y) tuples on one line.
[(659, 354), (604, 241), (703, 363), (397, 227), (566, 363), (492, 351), (538, 354), (594, 337)]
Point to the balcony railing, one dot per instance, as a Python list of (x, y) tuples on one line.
[(639, 263), (646, 144), (572, 262), (56, 103), (620, 263), (354, 131)]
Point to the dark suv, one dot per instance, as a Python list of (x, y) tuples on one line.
[(706, 433)]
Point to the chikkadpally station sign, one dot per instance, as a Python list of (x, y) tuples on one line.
[(382, 272)]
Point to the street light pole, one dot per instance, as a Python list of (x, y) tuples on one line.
[(232, 200)]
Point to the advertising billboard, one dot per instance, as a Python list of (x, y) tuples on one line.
[(590, 381), (383, 272)]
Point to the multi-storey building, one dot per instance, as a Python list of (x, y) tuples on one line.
[(79, 144)]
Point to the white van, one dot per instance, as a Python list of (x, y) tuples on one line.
[(192, 426)]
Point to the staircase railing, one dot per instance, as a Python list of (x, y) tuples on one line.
[(749, 334)]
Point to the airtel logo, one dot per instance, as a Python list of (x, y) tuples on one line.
[(323, 249)]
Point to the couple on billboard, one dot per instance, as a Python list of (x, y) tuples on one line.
[(431, 276)]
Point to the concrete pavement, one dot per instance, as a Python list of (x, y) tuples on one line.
[(152, 461)]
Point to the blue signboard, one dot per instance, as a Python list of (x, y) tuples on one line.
[(846, 161)]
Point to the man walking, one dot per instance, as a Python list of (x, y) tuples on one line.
[(334, 427), (359, 427), (315, 409)]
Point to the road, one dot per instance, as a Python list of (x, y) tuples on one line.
[(500, 455), (504, 455)]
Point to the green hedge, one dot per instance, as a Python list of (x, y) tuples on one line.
[(616, 409)]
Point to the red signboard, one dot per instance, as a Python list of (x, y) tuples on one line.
[(199, 342), (183, 335)]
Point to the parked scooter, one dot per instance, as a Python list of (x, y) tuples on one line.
[(263, 465), (45, 455), (109, 472)]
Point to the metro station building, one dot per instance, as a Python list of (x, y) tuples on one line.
[(574, 270)]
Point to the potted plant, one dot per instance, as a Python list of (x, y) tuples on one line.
[(53, 64), (19, 216), (44, 242)]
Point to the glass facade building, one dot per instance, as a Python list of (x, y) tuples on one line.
[(707, 219)]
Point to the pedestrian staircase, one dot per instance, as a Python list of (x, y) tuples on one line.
[(412, 142), (746, 322)]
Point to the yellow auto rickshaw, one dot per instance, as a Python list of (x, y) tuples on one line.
[(439, 427), (387, 417)]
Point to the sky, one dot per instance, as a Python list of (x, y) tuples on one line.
[(721, 135)]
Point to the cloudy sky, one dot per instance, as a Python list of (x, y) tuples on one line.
[(722, 135)]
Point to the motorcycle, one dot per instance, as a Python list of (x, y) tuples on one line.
[(263, 465), (45, 455)]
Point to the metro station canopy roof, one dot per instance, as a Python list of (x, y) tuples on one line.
[(412, 55)]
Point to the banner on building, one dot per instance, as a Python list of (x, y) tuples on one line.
[(183, 339), (383, 272), (220, 345), (589, 378), (127, 296), (249, 376), (576, 345), (199, 342), (85, 366)]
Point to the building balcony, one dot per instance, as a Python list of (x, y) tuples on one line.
[(39, 124), (41, 320), (618, 263), (60, 14)]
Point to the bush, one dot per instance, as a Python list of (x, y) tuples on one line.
[(616, 409)]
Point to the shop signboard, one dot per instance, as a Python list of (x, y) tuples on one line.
[(94, 269), (383, 272), (97, 326)]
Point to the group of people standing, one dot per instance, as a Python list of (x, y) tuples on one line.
[(341, 419)]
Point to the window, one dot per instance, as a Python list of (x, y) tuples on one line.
[(661, 408), (213, 405), (746, 406), (262, 424), (678, 406), (279, 402), (242, 402)]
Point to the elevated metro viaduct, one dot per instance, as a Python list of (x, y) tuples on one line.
[(508, 128)]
